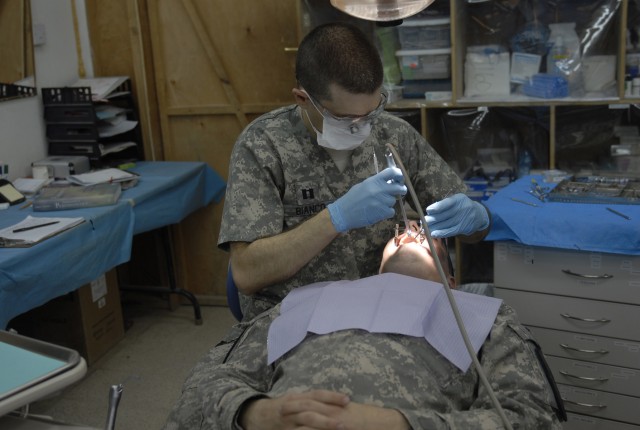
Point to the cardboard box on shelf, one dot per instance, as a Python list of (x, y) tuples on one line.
[(88, 319)]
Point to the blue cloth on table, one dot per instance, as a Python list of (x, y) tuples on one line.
[(29, 277), (576, 226), (165, 194), (169, 191)]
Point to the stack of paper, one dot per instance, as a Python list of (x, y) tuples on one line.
[(102, 176), (102, 87), (30, 185), (32, 230), (109, 148), (117, 125)]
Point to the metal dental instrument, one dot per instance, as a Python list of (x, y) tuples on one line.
[(524, 202), (391, 163), (115, 392), (613, 211)]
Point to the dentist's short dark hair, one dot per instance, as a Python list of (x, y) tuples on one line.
[(341, 54)]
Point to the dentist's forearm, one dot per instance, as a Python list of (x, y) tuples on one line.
[(277, 258)]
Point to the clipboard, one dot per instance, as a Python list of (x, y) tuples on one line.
[(33, 230), (9, 194)]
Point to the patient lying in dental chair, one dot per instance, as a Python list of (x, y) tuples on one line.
[(350, 378)]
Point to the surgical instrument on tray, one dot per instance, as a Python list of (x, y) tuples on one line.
[(538, 191), (524, 202), (613, 211)]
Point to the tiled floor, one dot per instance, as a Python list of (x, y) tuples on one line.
[(151, 361)]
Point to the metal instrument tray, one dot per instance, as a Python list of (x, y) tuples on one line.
[(66, 357), (597, 189)]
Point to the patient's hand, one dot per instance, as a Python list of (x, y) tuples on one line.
[(312, 409), (320, 410), (358, 416)]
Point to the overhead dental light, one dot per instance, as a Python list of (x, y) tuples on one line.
[(381, 10)]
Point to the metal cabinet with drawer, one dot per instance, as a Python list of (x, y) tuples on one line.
[(584, 310)]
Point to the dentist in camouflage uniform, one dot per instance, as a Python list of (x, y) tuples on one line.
[(304, 202)]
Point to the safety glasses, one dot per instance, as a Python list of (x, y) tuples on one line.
[(348, 121)]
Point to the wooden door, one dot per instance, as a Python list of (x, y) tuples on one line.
[(216, 65)]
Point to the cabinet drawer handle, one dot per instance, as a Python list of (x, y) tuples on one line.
[(584, 378), (581, 275), (599, 320), (585, 405), (588, 351)]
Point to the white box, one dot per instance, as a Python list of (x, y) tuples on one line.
[(524, 66), (425, 63), (64, 166), (438, 96), (425, 33), (599, 72), (487, 74)]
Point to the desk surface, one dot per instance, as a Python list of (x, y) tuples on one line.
[(576, 226), (166, 193), (169, 191)]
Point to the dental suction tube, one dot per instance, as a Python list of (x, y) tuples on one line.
[(445, 283)]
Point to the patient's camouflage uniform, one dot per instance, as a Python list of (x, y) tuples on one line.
[(389, 370), (187, 413), (392, 371), (280, 177)]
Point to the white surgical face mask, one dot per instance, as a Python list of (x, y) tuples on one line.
[(337, 136), (344, 133)]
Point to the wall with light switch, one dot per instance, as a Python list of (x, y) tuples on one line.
[(22, 131)]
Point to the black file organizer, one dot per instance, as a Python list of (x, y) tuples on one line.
[(72, 126)]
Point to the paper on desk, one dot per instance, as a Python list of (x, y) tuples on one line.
[(30, 185), (102, 176), (30, 237), (387, 303)]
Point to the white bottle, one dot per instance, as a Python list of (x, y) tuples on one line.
[(557, 56), (567, 30), (564, 34)]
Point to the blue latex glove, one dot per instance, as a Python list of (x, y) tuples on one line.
[(368, 202), (456, 215)]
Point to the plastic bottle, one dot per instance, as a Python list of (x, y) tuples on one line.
[(524, 164), (557, 55), (570, 40), (566, 43)]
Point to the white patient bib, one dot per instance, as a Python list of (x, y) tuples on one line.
[(386, 303)]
